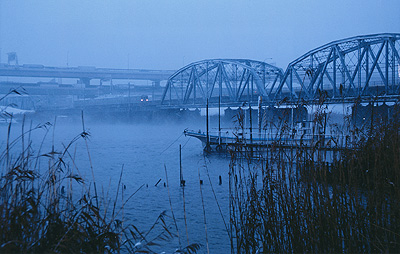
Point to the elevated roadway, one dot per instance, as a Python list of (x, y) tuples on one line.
[(84, 73)]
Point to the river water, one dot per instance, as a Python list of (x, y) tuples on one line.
[(142, 150)]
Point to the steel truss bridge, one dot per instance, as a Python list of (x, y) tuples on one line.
[(227, 80), (361, 68)]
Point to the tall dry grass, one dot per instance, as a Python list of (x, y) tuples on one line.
[(303, 199), (49, 207)]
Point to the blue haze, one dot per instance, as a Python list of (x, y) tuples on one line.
[(158, 34)]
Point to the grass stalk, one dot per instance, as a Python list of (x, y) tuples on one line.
[(170, 204), (204, 212)]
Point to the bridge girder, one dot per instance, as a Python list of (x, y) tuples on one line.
[(362, 68), (231, 80)]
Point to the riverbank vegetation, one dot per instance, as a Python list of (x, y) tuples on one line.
[(310, 200), (287, 199), (46, 206)]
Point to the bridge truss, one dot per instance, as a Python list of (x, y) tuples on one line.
[(357, 68), (228, 80)]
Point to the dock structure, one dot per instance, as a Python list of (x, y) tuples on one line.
[(353, 71), (232, 140)]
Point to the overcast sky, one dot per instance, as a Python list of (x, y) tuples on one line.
[(158, 34)]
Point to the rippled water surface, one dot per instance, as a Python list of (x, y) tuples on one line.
[(142, 151)]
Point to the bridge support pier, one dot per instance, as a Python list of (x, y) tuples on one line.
[(85, 81)]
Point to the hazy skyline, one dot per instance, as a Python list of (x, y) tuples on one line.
[(155, 34)]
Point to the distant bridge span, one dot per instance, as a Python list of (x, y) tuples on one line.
[(84, 73), (359, 68)]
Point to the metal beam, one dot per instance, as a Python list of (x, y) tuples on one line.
[(373, 66)]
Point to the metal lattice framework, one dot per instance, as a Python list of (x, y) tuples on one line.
[(231, 80), (361, 67)]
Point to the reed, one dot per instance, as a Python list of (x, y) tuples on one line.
[(41, 211), (305, 200)]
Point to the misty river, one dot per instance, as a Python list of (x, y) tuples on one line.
[(142, 150)]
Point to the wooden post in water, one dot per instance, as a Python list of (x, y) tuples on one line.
[(182, 182)]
